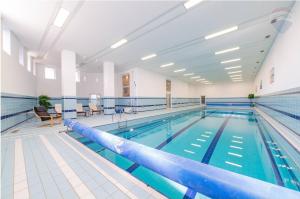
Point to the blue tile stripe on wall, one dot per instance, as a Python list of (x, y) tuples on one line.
[(283, 107), (229, 102), (15, 109)]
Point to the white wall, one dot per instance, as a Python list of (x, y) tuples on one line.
[(15, 78), (151, 84), (90, 83), (50, 87), (241, 89), (284, 56)]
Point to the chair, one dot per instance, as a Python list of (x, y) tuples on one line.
[(58, 109), (79, 109), (93, 108), (41, 113), (128, 110)]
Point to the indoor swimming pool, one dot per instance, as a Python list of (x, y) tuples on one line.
[(239, 141)]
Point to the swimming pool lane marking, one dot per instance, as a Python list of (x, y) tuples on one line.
[(273, 162), (214, 142), (233, 164), (164, 143), (235, 154), (196, 145), (208, 154), (238, 137), (235, 141), (235, 147), (206, 136), (153, 125), (188, 151), (292, 174)]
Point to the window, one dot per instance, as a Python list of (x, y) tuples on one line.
[(29, 62), (77, 76), (6, 41), (50, 73), (21, 55)]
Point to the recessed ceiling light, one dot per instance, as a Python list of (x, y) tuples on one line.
[(61, 17), (166, 65), (179, 70), (227, 50), (119, 43), (195, 77), (233, 72), (239, 75), (230, 60), (148, 57), (188, 74), (232, 67), (198, 80), (191, 3), (222, 32), (237, 80)]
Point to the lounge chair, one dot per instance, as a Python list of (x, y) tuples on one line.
[(94, 108), (41, 113), (128, 110), (79, 109), (58, 109)]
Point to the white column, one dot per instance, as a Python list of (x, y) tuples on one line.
[(68, 84), (108, 88)]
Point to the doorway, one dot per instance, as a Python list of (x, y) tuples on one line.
[(203, 100)]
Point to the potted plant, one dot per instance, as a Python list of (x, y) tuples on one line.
[(251, 97), (44, 101)]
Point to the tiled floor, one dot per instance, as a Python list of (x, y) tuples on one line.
[(38, 162)]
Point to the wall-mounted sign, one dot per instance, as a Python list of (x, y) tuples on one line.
[(260, 85), (272, 75)]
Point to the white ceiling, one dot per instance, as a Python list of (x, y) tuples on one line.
[(162, 27)]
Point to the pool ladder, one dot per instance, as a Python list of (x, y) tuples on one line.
[(122, 124)]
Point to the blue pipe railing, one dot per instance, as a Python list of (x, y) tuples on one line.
[(205, 179)]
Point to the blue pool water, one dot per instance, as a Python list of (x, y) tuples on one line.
[(238, 141)]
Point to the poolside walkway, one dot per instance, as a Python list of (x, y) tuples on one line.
[(38, 162)]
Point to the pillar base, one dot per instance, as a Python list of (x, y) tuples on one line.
[(109, 105), (69, 107)]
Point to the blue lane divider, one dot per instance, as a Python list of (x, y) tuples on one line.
[(208, 180), (207, 156), (169, 139)]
